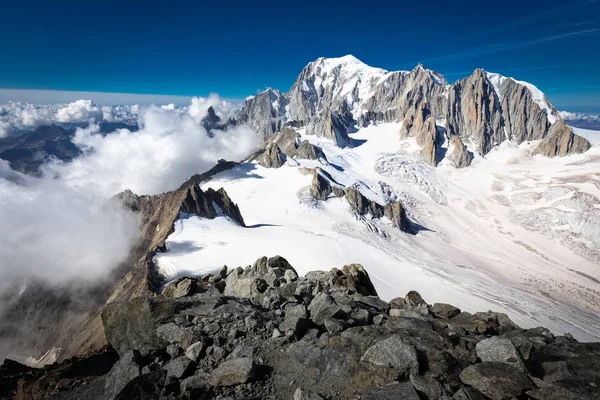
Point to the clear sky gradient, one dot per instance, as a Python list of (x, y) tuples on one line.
[(235, 47)]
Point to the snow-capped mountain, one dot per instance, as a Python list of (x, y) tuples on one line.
[(334, 96), (360, 166), (347, 175)]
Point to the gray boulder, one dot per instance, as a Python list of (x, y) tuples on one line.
[(323, 307), (180, 288), (195, 351), (127, 368), (180, 367), (442, 310), (497, 380), (233, 372), (499, 349), (392, 352)]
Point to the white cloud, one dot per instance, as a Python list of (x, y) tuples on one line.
[(79, 111), (16, 117), (56, 233), (169, 147), (61, 226), (198, 109), (569, 116)]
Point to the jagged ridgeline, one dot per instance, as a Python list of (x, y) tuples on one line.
[(332, 96), (263, 332)]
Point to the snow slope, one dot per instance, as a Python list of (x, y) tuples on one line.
[(511, 233)]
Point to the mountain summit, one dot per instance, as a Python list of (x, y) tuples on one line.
[(333, 96)]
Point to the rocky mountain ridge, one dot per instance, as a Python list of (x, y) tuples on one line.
[(67, 319), (333, 96), (264, 332)]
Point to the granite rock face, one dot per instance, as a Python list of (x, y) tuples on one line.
[(265, 332), (459, 155), (474, 112), (264, 113), (271, 157), (333, 97), (562, 141)]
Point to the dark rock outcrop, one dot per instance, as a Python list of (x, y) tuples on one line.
[(323, 185), (474, 111), (459, 155), (264, 113), (394, 211), (264, 332), (212, 120), (271, 157), (44, 317), (562, 141)]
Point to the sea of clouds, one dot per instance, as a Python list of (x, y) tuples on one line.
[(17, 117), (62, 225)]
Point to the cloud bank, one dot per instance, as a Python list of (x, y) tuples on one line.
[(53, 232), (581, 120), (61, 226), (18, 117)]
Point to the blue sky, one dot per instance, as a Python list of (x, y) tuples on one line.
[(236, 48)]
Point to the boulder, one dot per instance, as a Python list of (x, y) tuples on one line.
[(233, 372), (499, 349), (180, 367), (392, 352), (126, 369), (180, 288), (323, 307), (294, 325), (195, 351), (497, 380), (144, 387)]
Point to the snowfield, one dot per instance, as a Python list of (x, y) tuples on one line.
[(513, 232)]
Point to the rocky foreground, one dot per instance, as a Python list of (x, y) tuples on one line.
[(265, 333)]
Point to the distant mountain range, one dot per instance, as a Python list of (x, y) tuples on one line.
[(334, 95)]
